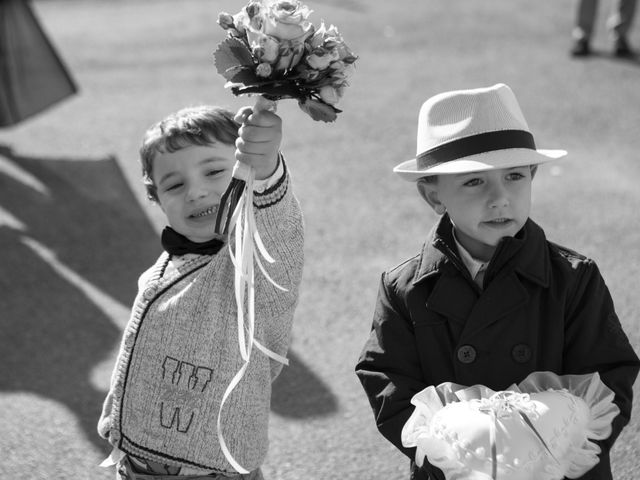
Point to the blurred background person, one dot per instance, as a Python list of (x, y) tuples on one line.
[(619, 23)]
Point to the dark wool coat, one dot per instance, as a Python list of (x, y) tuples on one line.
[(543, 308)]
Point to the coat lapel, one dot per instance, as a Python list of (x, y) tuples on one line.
[(504, 295), (454, 295)]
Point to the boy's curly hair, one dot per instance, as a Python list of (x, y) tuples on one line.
[(193, 126)]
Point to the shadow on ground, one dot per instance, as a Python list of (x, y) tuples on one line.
[(73, 242), (299, 393), (602, 54)]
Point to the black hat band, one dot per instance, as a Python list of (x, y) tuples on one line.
[(473, 145)]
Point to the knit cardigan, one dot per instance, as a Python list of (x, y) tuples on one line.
[(180, 351)]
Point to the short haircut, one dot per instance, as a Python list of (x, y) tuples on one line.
[(193, 126)]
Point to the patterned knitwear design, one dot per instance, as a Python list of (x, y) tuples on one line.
[(180, 351)]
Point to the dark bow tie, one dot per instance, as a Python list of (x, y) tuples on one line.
[(177, 244)]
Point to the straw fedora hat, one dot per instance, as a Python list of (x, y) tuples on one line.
[(470, 131)]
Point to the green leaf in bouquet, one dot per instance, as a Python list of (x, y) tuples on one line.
[(272, 89), (230, 56), (318, 110), (243, 76), (233, 72)]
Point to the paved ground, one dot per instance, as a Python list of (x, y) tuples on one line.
[(75, 230)]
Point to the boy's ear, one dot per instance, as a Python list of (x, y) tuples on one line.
[(429, 192)]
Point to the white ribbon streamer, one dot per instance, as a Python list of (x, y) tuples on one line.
[(247, 242)]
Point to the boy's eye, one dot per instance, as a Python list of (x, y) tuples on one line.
[(472, 182), (213, 173), (515, 176), (173, 186)]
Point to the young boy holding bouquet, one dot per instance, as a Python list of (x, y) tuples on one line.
[(489, 300), (183, 403)]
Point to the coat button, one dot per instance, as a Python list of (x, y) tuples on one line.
[(521, 353), (467, 354)]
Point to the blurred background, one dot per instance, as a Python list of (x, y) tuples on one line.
[(76, 230)]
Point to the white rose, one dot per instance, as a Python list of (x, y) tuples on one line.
[(290, 55), (254, 9), (334, 54), (241, 22), (319, 60), (267, 47), (345, 53), (318, 37), (287, 20), (289, 11), (342, 70), (330, 94), (332, 32), (271, 48), (263, 70), (225, 20), (250, 18)]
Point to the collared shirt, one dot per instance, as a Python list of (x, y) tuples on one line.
[(476, 267)]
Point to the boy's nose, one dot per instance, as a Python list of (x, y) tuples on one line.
[(498, 196), (196, 192)]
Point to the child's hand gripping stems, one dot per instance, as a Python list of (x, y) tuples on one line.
[(257, 149)]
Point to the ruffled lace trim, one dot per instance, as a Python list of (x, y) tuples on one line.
[(588, 413)]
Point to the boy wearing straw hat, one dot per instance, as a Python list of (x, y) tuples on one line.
[(489, 299)]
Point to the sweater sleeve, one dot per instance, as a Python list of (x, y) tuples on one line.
[(280, 225)]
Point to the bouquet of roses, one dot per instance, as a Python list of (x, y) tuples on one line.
[(273, 50)]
